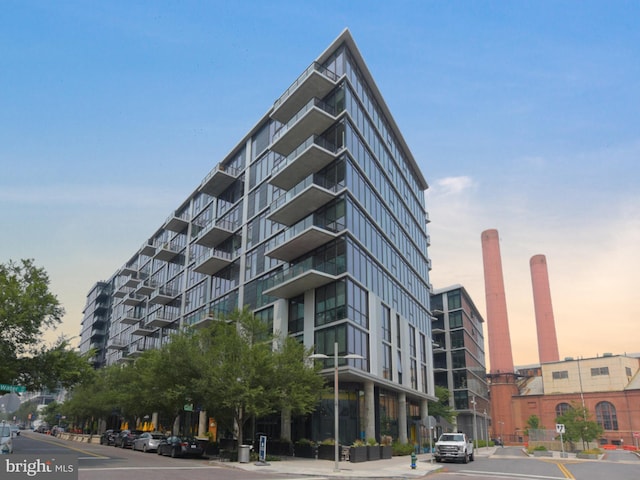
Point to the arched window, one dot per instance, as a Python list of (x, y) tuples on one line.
[(562, 408), (606, 416)]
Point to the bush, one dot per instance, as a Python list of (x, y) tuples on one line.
[(372, 442), (400, 449), (328, 441)]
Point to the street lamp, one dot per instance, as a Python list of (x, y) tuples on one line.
[(336, 427), (486, 428), (475, 434)]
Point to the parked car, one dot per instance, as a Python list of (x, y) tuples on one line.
[(109, 437), (148, 441), (126, 437), (6, 440), (15, 430), (180, 447)]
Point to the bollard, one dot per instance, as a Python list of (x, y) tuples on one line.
[(414, 458)]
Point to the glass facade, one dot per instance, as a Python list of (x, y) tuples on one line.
[(316, 222)]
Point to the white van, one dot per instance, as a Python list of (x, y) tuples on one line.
[(6, 442)]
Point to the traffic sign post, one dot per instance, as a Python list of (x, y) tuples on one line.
[(12, 388), (560, 430)]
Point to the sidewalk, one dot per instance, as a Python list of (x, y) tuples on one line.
[(396, 467)]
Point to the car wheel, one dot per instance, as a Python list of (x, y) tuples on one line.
[(144, 448), (471, 457), (466, 458), (174, 453)]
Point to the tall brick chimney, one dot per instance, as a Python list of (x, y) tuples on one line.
[(545, 323)]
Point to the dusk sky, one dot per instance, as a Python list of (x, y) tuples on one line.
[(524, 116)]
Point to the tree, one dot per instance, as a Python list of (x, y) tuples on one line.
[(441, 408), (578, 425), (533, 423), (27, 310)]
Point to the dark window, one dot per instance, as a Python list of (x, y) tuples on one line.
[(560, 374), (562, 408), (606, 416)]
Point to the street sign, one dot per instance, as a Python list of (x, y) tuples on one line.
[(12, 388), (559, 427), (263, 448)]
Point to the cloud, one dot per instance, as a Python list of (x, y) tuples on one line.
[(454, 185)]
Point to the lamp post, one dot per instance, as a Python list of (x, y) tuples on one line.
[(486, 428), (475, 435), (336, 427)]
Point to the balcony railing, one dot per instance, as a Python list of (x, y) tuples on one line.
[(219, 179), (311, 104), (315, 81)]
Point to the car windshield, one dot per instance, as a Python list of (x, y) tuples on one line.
[(5, 431), (157, 436), (451, 438)]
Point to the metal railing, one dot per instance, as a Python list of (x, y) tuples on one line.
[(314, 67)]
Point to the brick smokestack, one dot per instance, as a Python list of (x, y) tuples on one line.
[(545, 323), (500, 355)]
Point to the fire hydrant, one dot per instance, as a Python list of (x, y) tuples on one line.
[(414, 459)]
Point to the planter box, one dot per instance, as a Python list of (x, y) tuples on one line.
[(357, 454), (304, 450), (386, 451), (326, 452), (542, 453), (373, 452), (591, 456)]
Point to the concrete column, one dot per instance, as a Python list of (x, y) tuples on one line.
[(154, 421), (203, 424), (402, 417), (285, 424), (369, 411)]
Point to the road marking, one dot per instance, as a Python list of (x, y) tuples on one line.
[(57, 444), (565, 471), (506, 474)]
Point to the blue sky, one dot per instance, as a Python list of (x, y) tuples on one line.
[(523, 117)]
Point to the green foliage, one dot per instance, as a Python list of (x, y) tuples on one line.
[(400, 449), (372, 442), (358, 443), (235, 369), (578, 425), (533, 423), (441, 408), (27, 310)]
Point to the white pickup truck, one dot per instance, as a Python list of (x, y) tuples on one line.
[(454, 446)]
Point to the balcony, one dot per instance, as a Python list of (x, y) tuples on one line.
[(315, 81), (133, 299), (160, 319), (177, 223), (122, 291), (163, 295), (143, 330), (296, 242), (300, 202), (132, 280), (136, 350), (204, 320), (213, 261), (218, 180), (130, 317), (167, 251), (297, 279), (147, 249), (311, 156), (116, 344), (313, 119), (98, 333), (215, 233), (128, 269), (146, 287)]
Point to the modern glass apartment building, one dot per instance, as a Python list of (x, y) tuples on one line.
[(316, 221), (459, 360)]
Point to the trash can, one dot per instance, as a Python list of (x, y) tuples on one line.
[(243, 453)]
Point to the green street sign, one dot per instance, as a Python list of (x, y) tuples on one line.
[(12, 388)]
